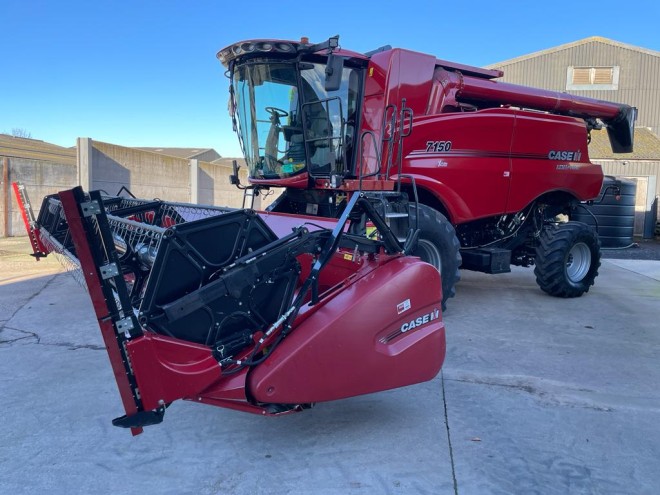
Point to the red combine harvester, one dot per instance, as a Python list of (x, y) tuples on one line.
[(489, 165), (394, 164)]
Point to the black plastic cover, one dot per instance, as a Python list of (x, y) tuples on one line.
[(621, 130), (195, 291)]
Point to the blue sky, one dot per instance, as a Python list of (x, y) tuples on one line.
[(144, 73)]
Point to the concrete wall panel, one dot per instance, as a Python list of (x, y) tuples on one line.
[(145, 174), (41, 178)]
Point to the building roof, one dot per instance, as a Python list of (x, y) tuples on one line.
[(34, 149), (188, 153), (228, 161), (646, 146), (591, 39)]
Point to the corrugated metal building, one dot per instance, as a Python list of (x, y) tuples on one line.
[(597, 68), (604, 69)]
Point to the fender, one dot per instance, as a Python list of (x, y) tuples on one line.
[(456, 208)]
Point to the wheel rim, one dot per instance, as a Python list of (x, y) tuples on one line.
[(578, 262), (429, 253)]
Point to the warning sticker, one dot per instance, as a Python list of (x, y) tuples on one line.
[(402, 307)]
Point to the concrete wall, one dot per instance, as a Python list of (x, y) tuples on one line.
[(145, 174), (152, 175), (214, 187), (41, 177), (219, 191), (105, 166)]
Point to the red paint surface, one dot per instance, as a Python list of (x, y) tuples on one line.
[(334, 350), (498, 162), (93, 281), (337, 351), (33, 232)]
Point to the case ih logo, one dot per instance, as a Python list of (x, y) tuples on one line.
[(571, 156), (420, 320), (412, 324)]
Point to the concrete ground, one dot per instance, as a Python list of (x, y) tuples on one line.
[(642, 249), (537, 395)]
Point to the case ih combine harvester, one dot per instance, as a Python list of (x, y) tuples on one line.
[(493, 163), (395, 166)]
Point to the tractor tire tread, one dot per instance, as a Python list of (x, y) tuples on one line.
[(552, 251), (434, 223)]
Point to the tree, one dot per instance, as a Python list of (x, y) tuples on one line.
[(21, 133)]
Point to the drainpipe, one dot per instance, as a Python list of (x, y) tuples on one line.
[(5, 190), (194, 181)]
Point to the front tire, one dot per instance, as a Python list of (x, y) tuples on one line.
[(438, 246), (567, 259)]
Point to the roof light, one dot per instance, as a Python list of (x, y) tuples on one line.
[(231, 52)]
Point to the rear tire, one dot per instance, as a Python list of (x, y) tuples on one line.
[(438, 246), (567, 259)]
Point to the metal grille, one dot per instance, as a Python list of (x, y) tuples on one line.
[(602, 75), (581, 75), (137, 228), (592, 76), (129, 234), (170, 213), (68, 261)]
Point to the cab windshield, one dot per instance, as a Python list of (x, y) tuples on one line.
[(288, 123)]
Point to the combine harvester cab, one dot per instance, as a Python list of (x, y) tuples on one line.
[(261, 312)]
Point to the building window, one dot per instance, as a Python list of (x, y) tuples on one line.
[(592, 78)]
